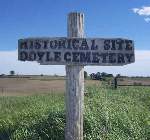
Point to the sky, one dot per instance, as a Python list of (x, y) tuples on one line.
[(48, 18)]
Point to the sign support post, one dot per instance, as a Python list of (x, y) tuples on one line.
[(74, 85)]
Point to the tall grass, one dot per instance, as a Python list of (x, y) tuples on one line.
[(122, 114)]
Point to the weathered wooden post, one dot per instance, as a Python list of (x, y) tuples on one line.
[(75, 52), (75, 85)]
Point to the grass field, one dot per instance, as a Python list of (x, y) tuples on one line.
[(122, 114)]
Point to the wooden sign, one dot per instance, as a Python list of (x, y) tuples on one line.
[(77, 51)]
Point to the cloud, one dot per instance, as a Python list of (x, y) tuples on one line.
[(147, 19), (141, 67), (144, 11), (8, 61), (135, 10)]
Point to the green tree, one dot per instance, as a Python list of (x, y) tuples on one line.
[(12, 72)]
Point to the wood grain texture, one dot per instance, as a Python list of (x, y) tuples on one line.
[(77, 51), (74, 85)]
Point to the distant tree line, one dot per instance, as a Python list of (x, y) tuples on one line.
[(100, 76)]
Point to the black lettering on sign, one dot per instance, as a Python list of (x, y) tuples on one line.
[(68, 44), (81, 51), (96, 58), (53, 44), (104, 57), (113, 44), (93, 46), (31, 45), (75, 57), (120, 44), (62, 44), (45, 45), (32, 56), (48, 56), (23, 56), (121, 58), (106, 44), (84, 45), (40, 55), (56, 43), (85, 57), (128, 44), (37, 45), (23, 45), (75, 44), (67, 56), (129, 57), (57, 56), (112, 57)]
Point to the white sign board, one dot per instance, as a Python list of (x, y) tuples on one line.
[(77, 51)]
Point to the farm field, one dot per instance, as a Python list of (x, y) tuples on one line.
[(34, 85), (145, 81), (122, 114)]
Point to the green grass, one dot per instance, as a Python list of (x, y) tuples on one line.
[(122, 114)]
